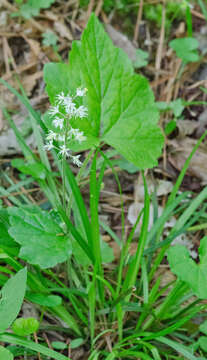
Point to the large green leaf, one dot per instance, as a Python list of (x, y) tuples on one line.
[(120, 103), (42, 240), (6, 242), (187, 270), (12, 296), (5, 354)]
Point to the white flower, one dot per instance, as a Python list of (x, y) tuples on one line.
[(81, 92), (54, 110), (69, 105), (61, 137), (51, 135), (60, 98), (81, 112), (79, 136), (58, 122), (49, 146), (76, 161), (64, 150), (68, 100)]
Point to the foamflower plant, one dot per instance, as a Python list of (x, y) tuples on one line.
[(64, 110)]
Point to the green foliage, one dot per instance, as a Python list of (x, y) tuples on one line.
[(174, 10), (5, 354), (203, 327), (175, 106), (44, 300), (187, 270), (58, 345), (121, 107), (33, 7), (36, 170), (170, 127), (141, 59), (12, 295), (6, 242), (76, 343), (202, 340), (186, 49), (43, 233), (25, 327), (49, 38)]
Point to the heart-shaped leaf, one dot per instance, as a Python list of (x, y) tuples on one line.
[(42, 240), (121, 108), (187, 270)]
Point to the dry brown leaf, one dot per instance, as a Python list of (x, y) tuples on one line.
[(34, 45), (63, 30), (163, 187), (121, 41), (29, 81), (1, 120), (186, 127), (181, 151)]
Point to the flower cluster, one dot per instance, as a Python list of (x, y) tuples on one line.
[(61, 113)]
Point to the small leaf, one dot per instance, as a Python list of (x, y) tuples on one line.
[(203, 343), (58, 345), (33, 7), (37, 170), (121, 107), (49, 38), (25, 327), (47, 245), (141, 59), (12, 296), (187, 270), (186, 49), (203, 327), (5, 354), (177, 107), (76, 343), (107, 254), (170, 127), (44, 300)]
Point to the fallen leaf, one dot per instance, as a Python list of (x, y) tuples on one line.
[(186, 127), (63, 30), (181, 150)]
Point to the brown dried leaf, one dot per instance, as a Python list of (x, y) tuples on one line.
[(186, 127), (181, 151), (121, 41), (29, 81), (63, 30)]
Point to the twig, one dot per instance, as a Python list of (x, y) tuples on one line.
[(197, 14), (139, 18), (90, 9), (36, 340), (99, 7), (161, 42)]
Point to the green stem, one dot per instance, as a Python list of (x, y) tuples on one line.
[(63, 183)]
